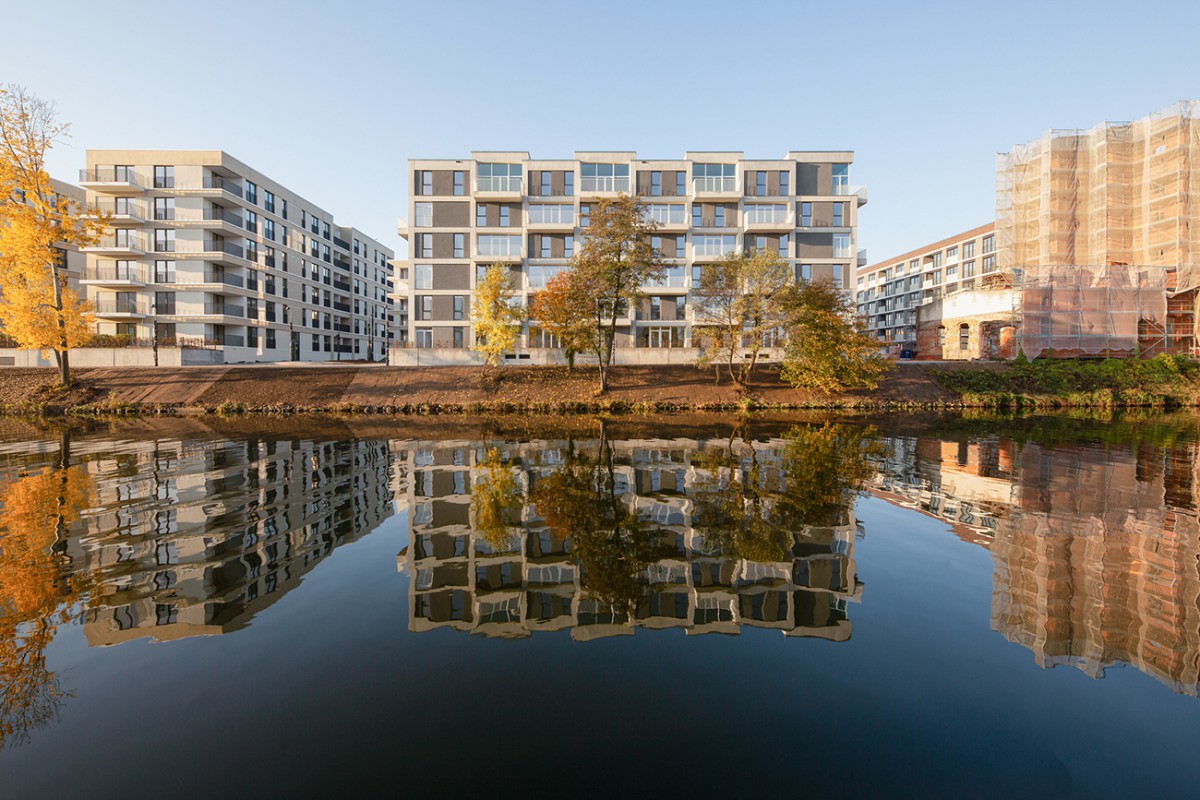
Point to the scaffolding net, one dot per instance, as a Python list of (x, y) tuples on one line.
[(1073, 311), (1097, 229)]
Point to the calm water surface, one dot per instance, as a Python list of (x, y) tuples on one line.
[(679, 607)]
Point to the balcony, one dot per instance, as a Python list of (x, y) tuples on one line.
[(120, 307), (845, 189), (713, 247), (212, 185), (501, 247), (130, 244), (862, 258), (604, 184), (501, 184), (111, 180), (209, 278), (125, 211), (113, 275), (715, 185), (767, 217)]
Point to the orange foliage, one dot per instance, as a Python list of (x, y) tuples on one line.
[(35, 595)]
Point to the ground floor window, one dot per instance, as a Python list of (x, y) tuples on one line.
[(964, 336), (660, 337), (424, 337), (458, 338)]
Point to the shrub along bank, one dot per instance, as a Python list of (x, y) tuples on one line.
[(1162, 382)]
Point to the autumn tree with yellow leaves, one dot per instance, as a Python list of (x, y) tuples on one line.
[(495, 315), (39, 311)]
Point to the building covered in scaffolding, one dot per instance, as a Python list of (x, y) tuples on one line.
[(1099, 231), (1097, 247)]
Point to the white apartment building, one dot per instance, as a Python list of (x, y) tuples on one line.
[(889, 293), (211, 256), (507, 208)]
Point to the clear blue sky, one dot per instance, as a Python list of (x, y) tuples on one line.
[(331, 99)]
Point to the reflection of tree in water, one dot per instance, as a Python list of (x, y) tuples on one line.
[(36, 595), (745, 508), (610, 543), (496, 501)]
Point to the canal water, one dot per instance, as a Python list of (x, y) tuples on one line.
[(686, 606)]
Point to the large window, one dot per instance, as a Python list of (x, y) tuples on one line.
[(839, 215), (784, 186), (164, 208), (665, 213), (458, 184), (499, 245), (545, 213), (841, 179), (423, 215), (604, 177), (498, 178), (568, 184), (164, 240), (164, 177), (713, 245), (765, 213), (424, 337), (806, 218), (423, 276), (714, 177), (539, 276), (458, 245)]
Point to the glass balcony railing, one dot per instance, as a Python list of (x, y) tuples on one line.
[(499, 184), (604, 183), (714, 184)]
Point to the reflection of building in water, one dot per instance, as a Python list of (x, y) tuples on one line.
[(195, 537), (1096, 552), (531, 582)]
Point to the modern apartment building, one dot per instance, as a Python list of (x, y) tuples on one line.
[(507, 208), (890, 293), (207, 254)]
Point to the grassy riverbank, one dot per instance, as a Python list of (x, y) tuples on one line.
[(1160, 382), (372, 389)]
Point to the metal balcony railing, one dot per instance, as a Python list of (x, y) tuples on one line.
[(113, 305), (111, 272), (125, 242)]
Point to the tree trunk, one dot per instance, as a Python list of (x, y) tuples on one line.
[(570, 354), (60, 353)]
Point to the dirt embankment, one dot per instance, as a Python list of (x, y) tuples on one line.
[(508, 388)]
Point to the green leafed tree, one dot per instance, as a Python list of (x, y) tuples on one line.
[(613, 263), (495, 316), (739, 309), (827, 346)]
